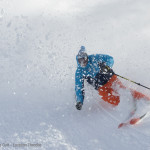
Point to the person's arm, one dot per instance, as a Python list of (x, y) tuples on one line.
[(79, 88), (106, 63), (108, 60)]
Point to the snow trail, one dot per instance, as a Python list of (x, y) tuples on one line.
[(39, 42)]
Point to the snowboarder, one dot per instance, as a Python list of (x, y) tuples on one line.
[(97, 71)]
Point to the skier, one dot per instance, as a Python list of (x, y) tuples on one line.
[(97, 71)]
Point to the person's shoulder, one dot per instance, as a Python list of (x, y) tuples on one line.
[(99, 57), (95, 56), (103, 55), (90, 56)]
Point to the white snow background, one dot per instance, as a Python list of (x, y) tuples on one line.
[(39, 40)]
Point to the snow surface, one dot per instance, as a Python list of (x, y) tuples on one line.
[(39, 40)]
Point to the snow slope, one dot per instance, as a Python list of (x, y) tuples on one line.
[(38, 45)]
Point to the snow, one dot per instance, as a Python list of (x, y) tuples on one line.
[(39, 42)]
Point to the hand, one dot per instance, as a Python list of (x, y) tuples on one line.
[(103, 67), (79, 105)]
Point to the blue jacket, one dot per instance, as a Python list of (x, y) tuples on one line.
[(90, 73)]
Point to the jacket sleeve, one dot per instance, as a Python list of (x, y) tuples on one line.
[(79, 86), (107, 59)]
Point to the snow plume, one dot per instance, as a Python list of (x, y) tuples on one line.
[(38, 46)]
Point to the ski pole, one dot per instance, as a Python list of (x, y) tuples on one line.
[(128, 79), (132, 81)]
